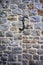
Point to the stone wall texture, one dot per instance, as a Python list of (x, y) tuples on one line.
[(21, 47)]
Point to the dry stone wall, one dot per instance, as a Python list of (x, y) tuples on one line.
[(21, 47)]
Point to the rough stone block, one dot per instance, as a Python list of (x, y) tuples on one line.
[(17, 50), (27, 56)]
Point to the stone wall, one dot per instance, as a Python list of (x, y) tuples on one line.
[(21, 47)]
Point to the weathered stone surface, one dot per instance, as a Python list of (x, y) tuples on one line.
[(16, 1), (36, 46), (32, 12), (9, 34), (25, 12), (36, 57), (5, 40), (41, 46), (3, 21), (39, 63), (38, 5), (25, 0), (0, 53), (7, 51), (26, 32), (27, 56), (18, 36), (2, 47), (40, 51), (35, 33), (3, 14), (39, 26), (25, 62), (35, 19), (17, 11), (4, 57), (11, 57), (22, 6), (14, 63), (4, 27), (32, 51), (17, 50), (28, 46), (13, 6), (1, 34), (41, 57), (20, 58)]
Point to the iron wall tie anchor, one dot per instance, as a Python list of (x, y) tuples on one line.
[(23, 23)]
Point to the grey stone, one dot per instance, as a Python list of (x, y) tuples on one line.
[(11, 57), (26, 32), (9, 34), (13, 6), (27, 56), (17, 50), (38, 5), (40, 51), (0, 53), (0, 6), (28, 46), (18, 36), (22, 6), (14, 43), (25, 62), (35, 19), (41, 38), (7, 51), (36, 46), (9, 47), (36, 38), (35, 57), (36, 1), (39, 26), (35, 33), (17, 11), (32, 12), (32, 51), (18, 24), (4, 57), (41, 46), (3, 14), (25, 12), (4, 27), (3, 21), (5, 40), (42, 18), (41, 57), (4, 62), (25, 1), (1, 34), (2, 47), (16, 1), (0, 62), (39, 63), (14, 63), (19, 57), (33, 1)]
